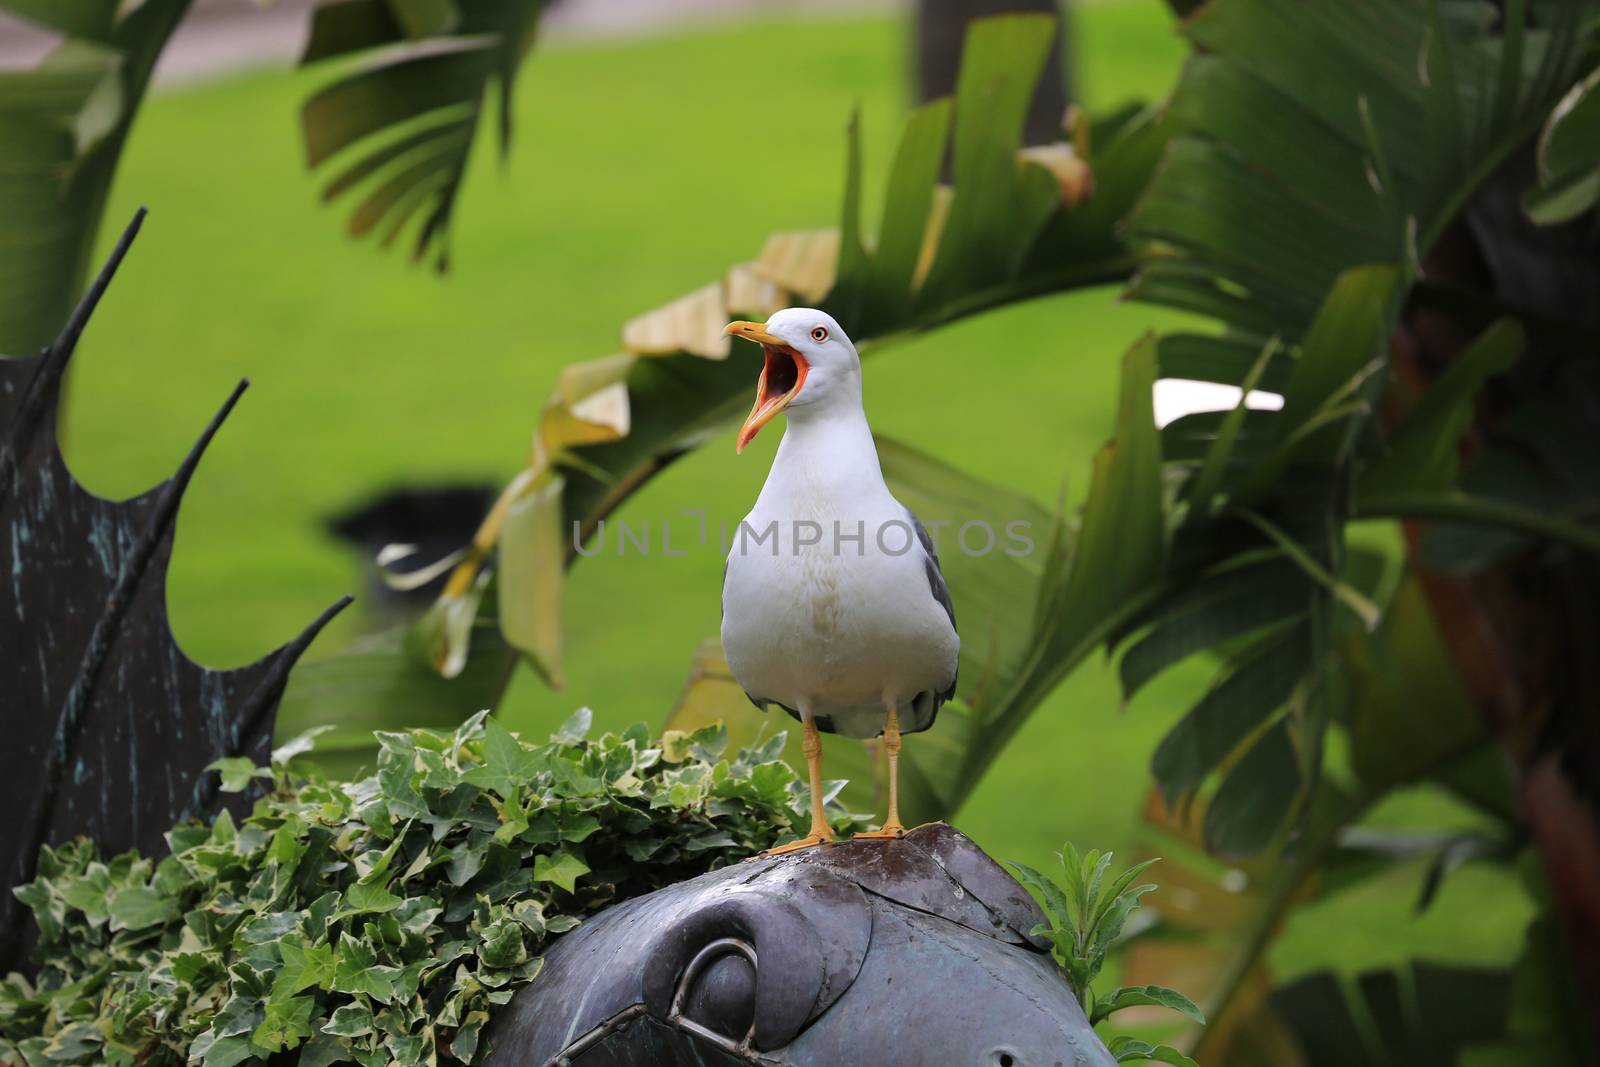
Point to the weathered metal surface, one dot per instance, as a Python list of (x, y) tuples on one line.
[(888, 953), (108, 725)]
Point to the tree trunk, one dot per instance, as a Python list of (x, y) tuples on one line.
[(1522, 630), (941, 28)]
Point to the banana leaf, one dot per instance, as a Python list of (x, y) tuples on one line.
[(63, 123), (402, 118), (1311, 137), (1318, 151), (1410, 720), (1569, 161), (1421, 1014), (613, 423), (989, 586), (1017, 641)]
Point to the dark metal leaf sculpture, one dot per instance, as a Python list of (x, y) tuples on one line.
[(108, 725)]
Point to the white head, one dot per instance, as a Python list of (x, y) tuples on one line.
[(811, 366)]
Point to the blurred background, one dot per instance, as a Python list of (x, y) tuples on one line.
[(625, 184)]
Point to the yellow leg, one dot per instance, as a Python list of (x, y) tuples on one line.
[(892, 827), (820, 834)]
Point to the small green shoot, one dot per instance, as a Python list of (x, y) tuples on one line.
[(1086, 917)]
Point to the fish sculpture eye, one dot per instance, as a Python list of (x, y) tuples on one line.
[(716, 998)]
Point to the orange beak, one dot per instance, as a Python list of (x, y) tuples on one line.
[(781, 377)]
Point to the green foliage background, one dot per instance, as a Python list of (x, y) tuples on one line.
[(366, 372)]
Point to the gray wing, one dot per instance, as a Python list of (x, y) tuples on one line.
[(936, 586)]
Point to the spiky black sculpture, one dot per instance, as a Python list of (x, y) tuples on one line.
[(107, 725)]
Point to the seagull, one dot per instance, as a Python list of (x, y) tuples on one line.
[(833, 604)]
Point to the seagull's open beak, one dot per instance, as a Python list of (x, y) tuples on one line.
[(781, 377)]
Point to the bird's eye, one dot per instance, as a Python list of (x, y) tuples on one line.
[(819, 334)]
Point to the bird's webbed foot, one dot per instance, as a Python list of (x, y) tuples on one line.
[(890, 831), (811, 840)]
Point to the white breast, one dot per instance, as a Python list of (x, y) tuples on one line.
[(827, 607)]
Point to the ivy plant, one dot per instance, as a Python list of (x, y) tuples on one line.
[(1086, 917), (379, 921)]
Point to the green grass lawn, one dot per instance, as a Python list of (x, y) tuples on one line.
[(621, 192)]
